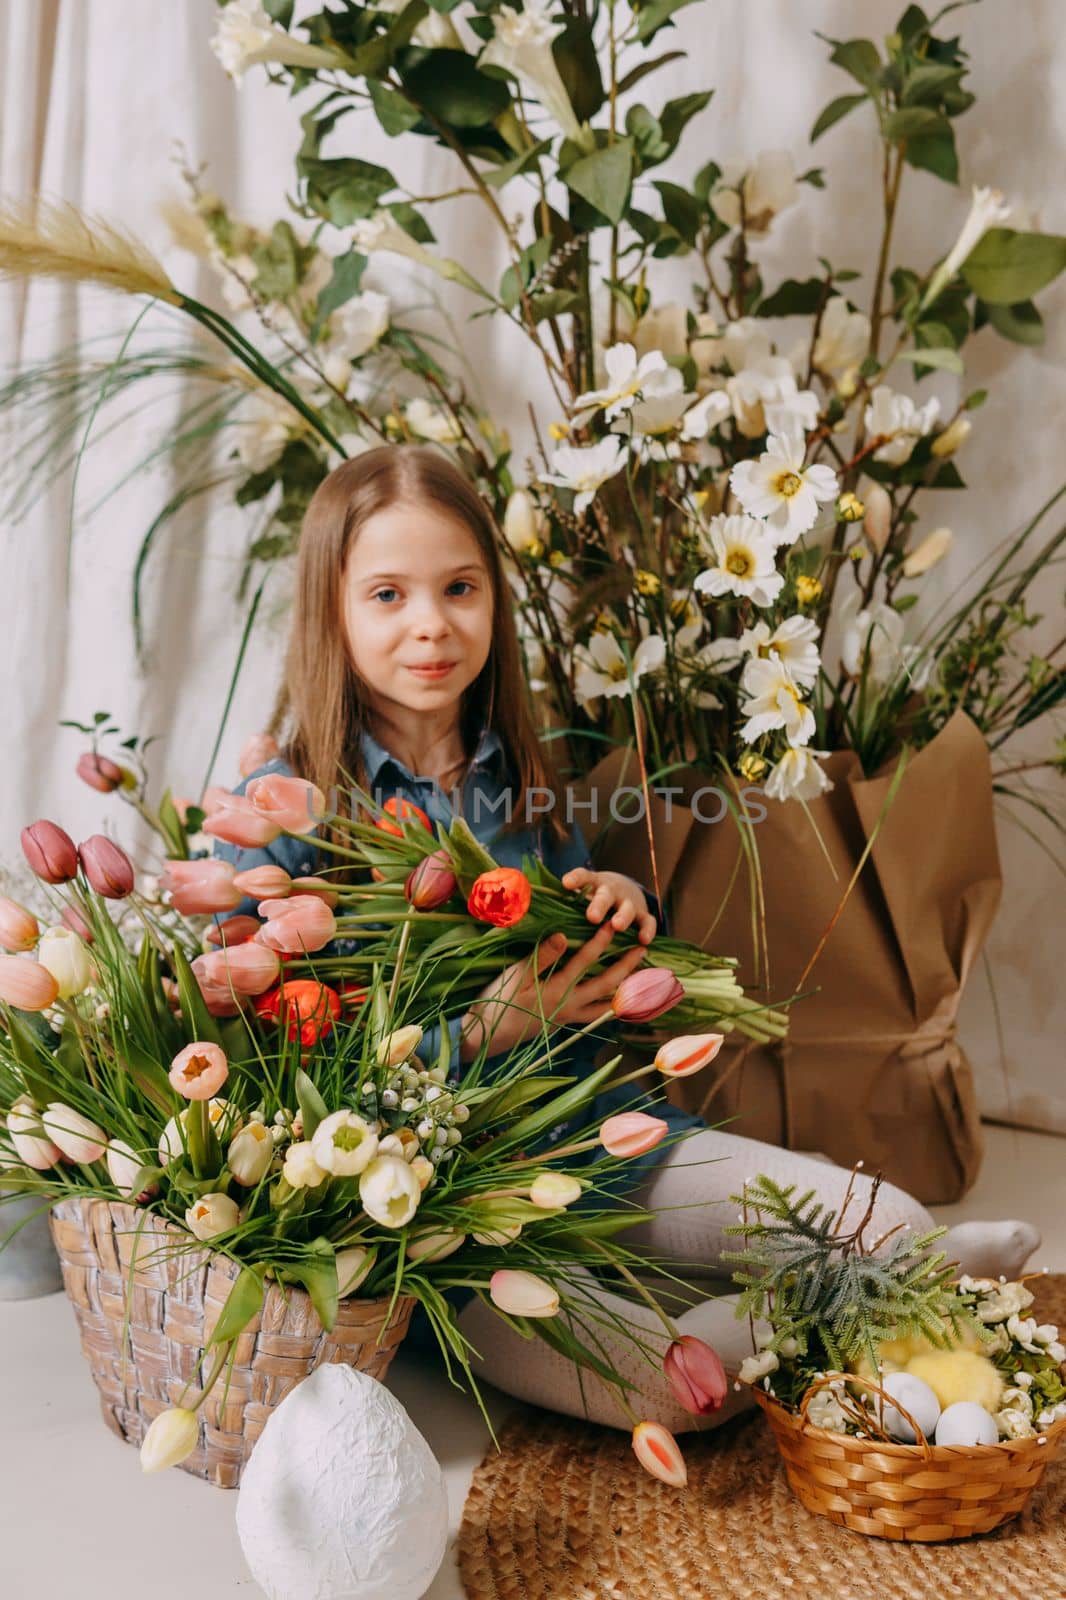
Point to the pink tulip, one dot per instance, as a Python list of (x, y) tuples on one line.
[(26, 984), (646, 994), (680, 1057), (316, 886), (234, 931), (303, 922), (631, 1133), (220, 1002), (99, 773), (431, 883), (237, 821), (295, 805), (19, 928), (256, 752), (214, 797), (522, 1294), (50, 852), (264, 883), (27, 1135), (199, 1071), (76, 923), (696, 1375), (200, 888), (245, 968), (107, 867), (656, 1449)]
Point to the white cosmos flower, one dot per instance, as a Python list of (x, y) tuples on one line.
[(608, 674), (245, 37), (794, 641), (766, 398), (522, 44), (843, 337), (744, 342), (263, 426), (585, 469), (706, 415), (779, 488), (743, 561), (986, 211), (897, 416), (626, 378), (431, 422), (768, 187), (793, 410), (773, 702), (797, 776), (660, 405)]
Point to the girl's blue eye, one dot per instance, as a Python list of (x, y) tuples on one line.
[(460, 583), (385, 594)]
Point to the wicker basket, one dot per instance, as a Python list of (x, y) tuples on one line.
[(918, 1492), (172, 1300)]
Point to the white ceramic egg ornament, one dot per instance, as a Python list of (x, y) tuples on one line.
[(919, 1399), (342, 1498), (966, 1423)]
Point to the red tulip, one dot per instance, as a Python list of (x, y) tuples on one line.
[(631, 1133), (263, 883), (234, 931), (501, 897), (680, 1057), (19, 928), (26, 984), (201, 888), (696, 1375), (107, 867), (246, 968), (302, 923), (656, 1449), (309, 1008), (293, 804), (353, 996), (403, 811), (99, 773), (431, 883), (50, 852), (646, 994), (238, 822), (76, 923), (256, 752)]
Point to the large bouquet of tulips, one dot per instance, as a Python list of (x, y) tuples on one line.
[(287, 1122)]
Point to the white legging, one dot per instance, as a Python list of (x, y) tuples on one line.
[(690, 1192)]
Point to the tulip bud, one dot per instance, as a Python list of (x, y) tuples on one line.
[(646, 994), (656, 1449), (67, 958), (224, 1118), (199, 1071), (390, 1191), (72, 919), (436, 1246), (554, 1189), (344, 1144), (423, 1170), (19, 928), (99, 773), (236, 821), (523, 1294), (353, 1266), (933, 548), (680, 1057), (956, 433), (431, 883), (74, 1135), (507, 1234), (246, 969), (171, 1437), (632, 1133), (523, 522), (301, 1170), (877, 522), (399, 1045), (264, 883), (256, 752), (293, 804), (124, 1168), (107, 867), (201, 888), (302, 922), (233, 932), (250, 1154), (26, 985), (50, 852), (31, 1146), (696, 1375), (211, 1215)]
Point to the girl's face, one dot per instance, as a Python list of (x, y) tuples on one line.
[(417, 608)]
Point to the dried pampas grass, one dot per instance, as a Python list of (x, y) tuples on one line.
[(49, 238)]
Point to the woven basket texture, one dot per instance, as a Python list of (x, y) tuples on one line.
[(146, 1310)]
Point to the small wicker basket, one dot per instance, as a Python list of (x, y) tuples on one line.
[(145, 1314), (918, 1492)]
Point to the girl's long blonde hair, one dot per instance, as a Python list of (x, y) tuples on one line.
[(325, 705)]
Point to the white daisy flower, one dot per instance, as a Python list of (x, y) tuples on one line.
[(792, 409), (794, 641), (904, 423), (585, 469), (608, 674), (843, 337), (626, 377), (752, 386), (658, 407), (780, 489), (774, 702), (706, 415), (743, 561), (768, 187), (797, 776)]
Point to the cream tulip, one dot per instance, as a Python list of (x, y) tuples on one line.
[(124, 1168), (250, 1153), (353, 1266), (554, 1189), (435, 1246), (523, 1294), (170, 1438), (67, 958), (344, 1144), (301, 1170), (399, 1045), (390, 1191), (211, 1215), (76, 1137), (31, 1146)]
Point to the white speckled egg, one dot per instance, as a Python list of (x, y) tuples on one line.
[(920, 1401), (343, 1498), (966, 1423)]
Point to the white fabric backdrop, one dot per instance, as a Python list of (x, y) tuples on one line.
[(95, 92)]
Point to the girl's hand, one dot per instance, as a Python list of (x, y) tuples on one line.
[(509, 1011), (607, 889)]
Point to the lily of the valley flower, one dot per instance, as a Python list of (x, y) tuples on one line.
[(743, 561), (688, 1053), (390, 1191), (933, 548), (794, 641), (523, 1294), (212, 1215), (67, 958), (798, 776), (608, 673), (584, 469), (522, 45), (986, 211), (904, 423), (246, 37), (755, 194), (170, 1438), (773, 701), (780, 489), (344, 1144), (843, 337), (73, 1134), (657, 1451)]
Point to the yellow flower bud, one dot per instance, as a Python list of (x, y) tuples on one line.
[(956, 433), (857, 553), (850, 508), (171, 1437), (556, 558), (558, 430), (847, 383), (646, 582), (808, 590), (752, 766)]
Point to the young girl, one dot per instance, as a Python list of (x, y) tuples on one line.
[(404, 672)]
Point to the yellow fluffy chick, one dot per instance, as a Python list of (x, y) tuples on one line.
[(959, 1375), (895, 1355)]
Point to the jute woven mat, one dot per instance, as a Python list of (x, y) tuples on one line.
[(564, 1512)]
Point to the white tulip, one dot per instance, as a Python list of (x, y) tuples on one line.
[(67, 958), (170, 1438), (353, 1266), (211, 1215), (390, 1191), (523, 521), (399, 1045), (124, 1168), (430, 1247), (31, 1146), (301, 1170), (344, 1143), (76, 1137), (250, 1154)]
